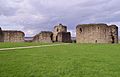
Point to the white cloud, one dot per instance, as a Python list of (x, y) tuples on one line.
[(32, 16)]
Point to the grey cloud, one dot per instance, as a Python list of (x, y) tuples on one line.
[(37, 15)]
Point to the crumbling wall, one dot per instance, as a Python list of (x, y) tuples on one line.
[(114, 33), (13, 36), (96, 33), (64, 37), (43, 37), (1, 36), (57, 29), (60, 34)]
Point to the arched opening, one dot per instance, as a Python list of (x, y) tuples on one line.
[(56, 38), (80, 29), (51, 36), (57, 29), (113, 39)]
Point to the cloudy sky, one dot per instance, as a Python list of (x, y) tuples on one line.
[(33, 16)]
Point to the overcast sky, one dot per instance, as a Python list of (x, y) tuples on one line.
[(33, 16)]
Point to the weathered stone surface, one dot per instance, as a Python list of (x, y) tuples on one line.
[(96, 33), (64, 37), (60, 34), (13, 36), (44, 37), (1, 36), (57, 29)]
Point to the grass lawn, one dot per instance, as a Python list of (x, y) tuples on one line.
[(11, 45), (74, 60)]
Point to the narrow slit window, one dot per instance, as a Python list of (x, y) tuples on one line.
[(96, 41)]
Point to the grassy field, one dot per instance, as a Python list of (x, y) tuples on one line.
[(73, 60), (11, 45)]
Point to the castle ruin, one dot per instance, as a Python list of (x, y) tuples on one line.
[(11, 36), (1, 35), (64, 37), (85, 33), (96, 33), (60, 34), (43, 37)]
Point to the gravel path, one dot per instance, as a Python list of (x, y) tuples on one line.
[(28, 47)]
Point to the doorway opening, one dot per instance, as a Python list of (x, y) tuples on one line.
[(96, 41), (113, 39)]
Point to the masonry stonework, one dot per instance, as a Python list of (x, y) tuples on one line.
[(57, 29), (85, 33), (60, 34), (96, 33), (13, 36), (1, 36), (43, 37), (64, 37)]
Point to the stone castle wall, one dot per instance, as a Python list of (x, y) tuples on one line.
[(114, 33), (1, 36), (13, 36), (60, 34), (96, 33), (85, 33), (64, 37), (57, 29), (44, 37)]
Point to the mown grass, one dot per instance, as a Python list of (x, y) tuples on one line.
[(74, 60), (11, 45)]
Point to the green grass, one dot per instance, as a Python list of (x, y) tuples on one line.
[(74, 60), (10, 45)]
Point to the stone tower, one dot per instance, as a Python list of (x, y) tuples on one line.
[(96, 33), (60, 34), (57, 29)]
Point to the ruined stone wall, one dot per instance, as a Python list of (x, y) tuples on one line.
[(114, 33), (36, 38), (1, 35), (96, 33), (57, 29), (64, 37), (13, 36), (60, 34), (43, 37)]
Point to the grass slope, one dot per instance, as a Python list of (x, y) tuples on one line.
[(74, 60)]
